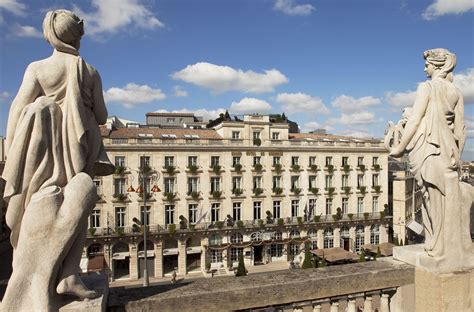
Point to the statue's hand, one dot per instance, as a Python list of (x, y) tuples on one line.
[(397, 152)]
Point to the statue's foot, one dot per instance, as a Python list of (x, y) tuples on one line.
[(72, 285)]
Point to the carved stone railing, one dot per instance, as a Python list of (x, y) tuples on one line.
[(370, 286)]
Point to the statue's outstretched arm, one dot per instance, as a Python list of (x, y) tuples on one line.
[(29, 91), (419, 109), (100, 111)]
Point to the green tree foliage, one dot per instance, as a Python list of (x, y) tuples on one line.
[(362, 256), (241, 270), (307, 264)]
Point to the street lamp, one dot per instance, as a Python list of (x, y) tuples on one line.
[(141, 189)]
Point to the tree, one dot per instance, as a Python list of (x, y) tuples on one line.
[(307, 260), (362, 256), (379, 254), (241, 270)]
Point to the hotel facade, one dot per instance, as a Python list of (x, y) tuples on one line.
[(240, 186)]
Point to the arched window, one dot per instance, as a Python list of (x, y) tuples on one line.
[(375, 234), (344, 232), (328, 238), (359, 239), (149, 246), (215, 240), (294, 234), (95, 250), (236, 238), (216, 256), (313, 234)]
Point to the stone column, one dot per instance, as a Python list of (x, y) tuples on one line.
[(298, 309), (320, 239), (225, 257), (159, 259), (351, 306), (108, 260), (335, 307), (384, 304), (133, 261), (182, 257), (317, 308), (352, 237), (368, 304), (383, 234), (204, 244), (337, 237), (367, 234)]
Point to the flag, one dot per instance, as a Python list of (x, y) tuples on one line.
[(203, 215)]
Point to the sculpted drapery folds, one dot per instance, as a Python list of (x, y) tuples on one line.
[(53, 141), (434, 135)]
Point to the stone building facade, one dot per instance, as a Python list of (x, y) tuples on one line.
[(242, 186)]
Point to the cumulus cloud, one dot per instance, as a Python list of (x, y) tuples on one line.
[(290, 8), (224, 78), (465, 82), (312, 125), (356, 118), (26, 31), (443, 7), (350, 104), (355, 133), (14, 7), (111, 16), (292, 103), (132, 95), (250, 105), (202, 112), (400, 99), (179, 91)]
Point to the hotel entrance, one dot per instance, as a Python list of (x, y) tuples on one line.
[(257, 254)]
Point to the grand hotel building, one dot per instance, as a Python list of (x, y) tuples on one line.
[(248, 186)]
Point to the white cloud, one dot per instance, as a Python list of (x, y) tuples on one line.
[(290, 8), (179, 91), (465, 82), (224, 78), (26, 31), (133, 95), (400, 99), (312, 125), (112, 16), (14, 7), (199, 112), (443, 7), (350, 104), (250, 105), (356, 118), (355, 133), (4, 95), (292, 103)]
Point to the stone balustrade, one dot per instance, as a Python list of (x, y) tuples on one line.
[(365, 286)]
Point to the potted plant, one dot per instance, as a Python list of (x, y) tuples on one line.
[(193, 168), (362, 167), (240, 224), (280, 222), (350, 216), (366, 215), (216, 194), (316, 219), (257, 167), (119, 230), (171, 228), (314, 190), (314, 168), (238, 167), (347, 168), (170, 169), (119, 170), (299, 220), (237, 192), (295, 167), (257, 191), (277, 190), (257, 142), (219, 224), (296, 190), (330, 168)]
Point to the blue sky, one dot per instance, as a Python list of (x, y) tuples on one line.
[(344, 65)]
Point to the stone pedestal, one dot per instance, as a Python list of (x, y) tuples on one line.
[(182, 257), (97, 282), (444, 292), (159, 259)]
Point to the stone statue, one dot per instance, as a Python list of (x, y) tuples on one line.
[(433, 134), (54, 148)]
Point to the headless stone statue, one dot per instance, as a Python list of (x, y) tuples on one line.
[(433, 133), (53, 148)]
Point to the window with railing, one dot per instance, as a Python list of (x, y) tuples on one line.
[(328, 161), (345, 161), (375, 234), (295, 182), (215, 184), (215, 239), (237, 211), (119, 186), (328, 206), (345, 180), (215, 161), (145, 161), (360, 205), (192, 161), (275, 135), (95, 219), (169, 214), (235, 135), (295, 205), (360, 161), (345, 205), (375, 180), (312, 160), (276, 209), (169, 161), (257, 182), (312, 182), (276, 182), (192, 213), (295, 160), (192, 185), (359, 238), (328, 180), (360, 180), (236, 183), (235, 160), (120, 216), (375, 204), (169, 185), (215, 212), (145, 212), (119, 161), (236, 238), (256, 160), (257, 210), (276, 160)]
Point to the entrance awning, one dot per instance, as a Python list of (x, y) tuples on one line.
[(335, 254), (96, 263), (415, 227), (120, 255)]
